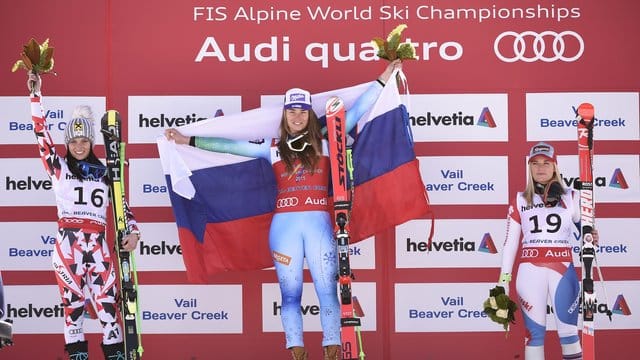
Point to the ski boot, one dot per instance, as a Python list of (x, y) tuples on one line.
[(299, 353), (331, 352), (78, 350), (114, 351)]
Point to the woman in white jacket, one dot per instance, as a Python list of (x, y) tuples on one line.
[(545, 216)]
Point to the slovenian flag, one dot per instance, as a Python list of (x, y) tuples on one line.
[(223, 203)]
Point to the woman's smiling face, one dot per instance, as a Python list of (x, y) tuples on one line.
[(79, 147)]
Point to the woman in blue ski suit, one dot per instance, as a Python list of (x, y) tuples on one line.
[(301, 227)]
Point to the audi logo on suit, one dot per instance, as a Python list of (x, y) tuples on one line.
[(287, 202), (528, 253)]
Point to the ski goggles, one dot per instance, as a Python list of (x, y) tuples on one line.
[(298, 143), (91, 171)]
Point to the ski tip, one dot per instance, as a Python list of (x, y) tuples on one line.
[(334, 104), (105, 118), (586, 111)]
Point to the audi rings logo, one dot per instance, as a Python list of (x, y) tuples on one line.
[(561, 46), (530, 253), (287, 202)]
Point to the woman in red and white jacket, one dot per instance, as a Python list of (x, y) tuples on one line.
[(81, 258), (545, 216)]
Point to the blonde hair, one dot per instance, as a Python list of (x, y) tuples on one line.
[(530, 189)]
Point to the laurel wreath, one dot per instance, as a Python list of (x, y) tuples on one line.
[(393, 48), (500, 308), (35, 57)]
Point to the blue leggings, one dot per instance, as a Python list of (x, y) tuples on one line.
[(294, 236)]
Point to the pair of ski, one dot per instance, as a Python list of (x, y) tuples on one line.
[(114, 148), (585, 117), (341, 173)]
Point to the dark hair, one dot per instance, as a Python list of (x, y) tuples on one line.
[(72, 164), (310, 155)]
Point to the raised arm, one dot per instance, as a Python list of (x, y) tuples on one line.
[(368, 98), (254, 149), (48, 155)]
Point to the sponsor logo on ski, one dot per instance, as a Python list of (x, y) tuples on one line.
[(334, 112), (531, 46), (586, 207), (287, 202)]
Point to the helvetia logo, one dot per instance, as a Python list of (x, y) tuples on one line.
[(486, 118), (621, 307), (218, 113), (618, 180), (487, 245)]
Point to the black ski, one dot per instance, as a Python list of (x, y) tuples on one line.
[(114, 148)]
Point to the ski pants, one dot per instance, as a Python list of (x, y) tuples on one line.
[(558, 282), (81, 258), (293, 237)]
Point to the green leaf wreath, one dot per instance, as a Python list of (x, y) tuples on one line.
[(392, 48), (500, 308)]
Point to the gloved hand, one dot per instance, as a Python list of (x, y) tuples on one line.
[(34, 83), (552, 193)]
